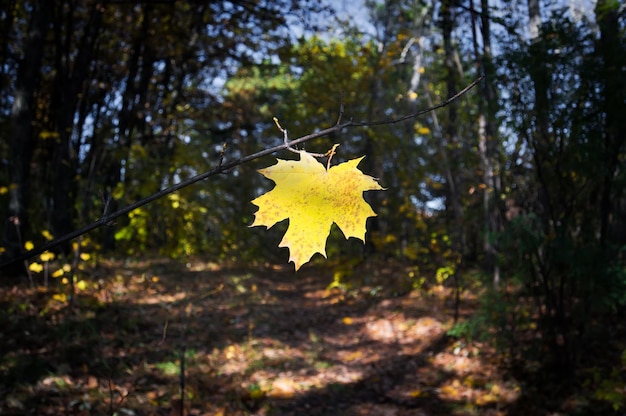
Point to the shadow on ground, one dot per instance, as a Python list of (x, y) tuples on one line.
[(262, 341)]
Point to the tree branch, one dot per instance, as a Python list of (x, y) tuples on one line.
[(107, 219)]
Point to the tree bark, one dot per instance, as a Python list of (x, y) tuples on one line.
[(69, 86), (451, 132), (23, 115), (612, 52), (487, 141), (454, 145)]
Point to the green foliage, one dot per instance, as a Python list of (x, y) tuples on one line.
[(611, 390), (158, 114), (562, 265), (474, 328), (137, 107), (608, 386), (169, 90)]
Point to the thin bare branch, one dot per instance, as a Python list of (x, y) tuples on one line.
[(286, 140), (341, 109), (330, 155), (421, 112)]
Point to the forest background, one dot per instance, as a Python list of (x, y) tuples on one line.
[(515, 191)]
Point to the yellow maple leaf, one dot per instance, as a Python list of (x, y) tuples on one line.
[(313, 197)]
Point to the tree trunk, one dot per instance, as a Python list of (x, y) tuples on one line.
[(22, 116), (69, 85), (612, 53), (487, 141), (451, 132), (454, 146)]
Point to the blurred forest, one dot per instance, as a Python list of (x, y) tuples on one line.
[(510, 200)]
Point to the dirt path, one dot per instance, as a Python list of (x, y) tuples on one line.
[(263, 342)]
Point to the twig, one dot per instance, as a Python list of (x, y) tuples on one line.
[(341, 108), (110, 396), (164, 336), (222, 153), (330, 154), (181, 379), (106, 199), (107, 219), (286, 140), (421, 112), (285, 135)]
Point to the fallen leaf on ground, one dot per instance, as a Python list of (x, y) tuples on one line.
[(283, 388)]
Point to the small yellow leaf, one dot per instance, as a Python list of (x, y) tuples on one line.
[(67, 268), (485, 399), (46, 256), (230, 352), (47, 134), (449, 391), (35, 267), (257, 394), (313, 198), (29, 245), (61, 297), (57, 273), (416, 393), (4, 190), (85, 256), (47, 235), (469, 381), (347, 320), (423, 131), (81, 285), (353, 356), (283, 388)]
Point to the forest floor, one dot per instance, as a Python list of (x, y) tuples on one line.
[(263, 341)]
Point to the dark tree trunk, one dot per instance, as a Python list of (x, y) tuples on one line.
[(451, 132), (69, 88), (487, 141), (612, 53), (454, 146), (22, 116)]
